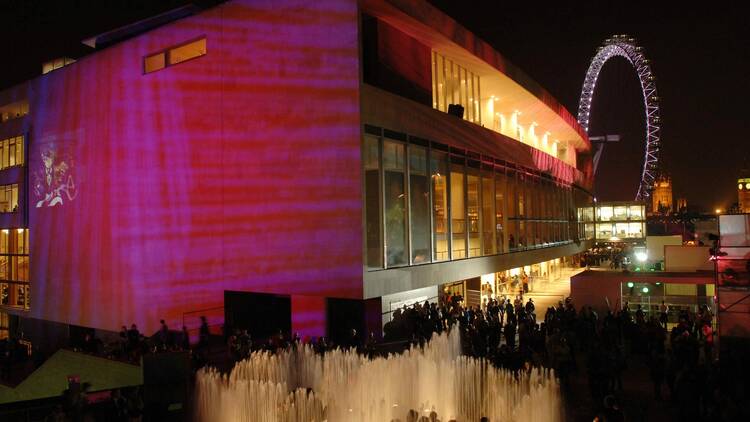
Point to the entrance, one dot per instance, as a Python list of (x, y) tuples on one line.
[(262, 314)]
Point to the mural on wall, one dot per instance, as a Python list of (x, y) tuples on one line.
[(54, 179)]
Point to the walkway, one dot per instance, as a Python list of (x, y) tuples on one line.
[(549, 293)]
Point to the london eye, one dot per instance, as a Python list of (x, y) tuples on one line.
[(626, 47)]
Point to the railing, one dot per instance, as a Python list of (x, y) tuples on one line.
[(214, 317)]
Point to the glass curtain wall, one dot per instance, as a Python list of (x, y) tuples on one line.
[(473, 190), (500, 223), (489, 245), (394, 175), (373, 195), (523, 228), (512, 210), (458, 210), (423, 205), (439, 177), (14, 268), (419, 205)]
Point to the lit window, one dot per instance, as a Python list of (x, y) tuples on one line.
[(11, 152), (153, 62), (174, 55), (14, 268), (187, 51), (9, 198)]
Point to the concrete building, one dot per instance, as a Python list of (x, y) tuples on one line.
[(313, 162)]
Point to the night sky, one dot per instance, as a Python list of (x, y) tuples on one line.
[(699, 55)]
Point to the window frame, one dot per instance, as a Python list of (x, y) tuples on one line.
[(166, 53)]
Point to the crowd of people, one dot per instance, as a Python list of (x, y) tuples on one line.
[(616, 256), (511, 333), (679, 357)]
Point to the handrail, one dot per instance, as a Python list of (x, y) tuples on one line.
[(202, 310)]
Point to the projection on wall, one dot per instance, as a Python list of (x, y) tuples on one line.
[(54, 177)]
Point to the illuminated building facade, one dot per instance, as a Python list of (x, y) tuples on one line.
[(614, 221), (743, 194), (661, 196), (241, 150)]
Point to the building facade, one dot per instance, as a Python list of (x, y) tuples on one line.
[(743, 194), (355, 156), (661, 196), (614, 221)]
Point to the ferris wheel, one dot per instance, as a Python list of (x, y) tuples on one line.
[(625, 46)]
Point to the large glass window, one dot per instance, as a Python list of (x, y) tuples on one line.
[(499, 210), (11, 152), (454, 84), (620, 213), (473, 208), (604, 213), (419, 204), (604, 231), (636, 212), (14, 268), (439, 176), (488, 214), (458, 212), (394, 166), (373, 226), (512, 210), (635, 230), (9, 198)]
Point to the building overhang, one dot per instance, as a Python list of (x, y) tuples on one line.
[(514, 90)]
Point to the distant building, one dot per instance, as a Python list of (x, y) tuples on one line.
[(614, 221), (662, 195), (681, 204), (743, 191)]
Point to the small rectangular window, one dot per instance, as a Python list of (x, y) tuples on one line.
[(153, 62), (187, 51)]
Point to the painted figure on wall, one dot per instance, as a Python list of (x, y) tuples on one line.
[(54, 183)]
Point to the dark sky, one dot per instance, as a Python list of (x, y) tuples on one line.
[(700, 56)]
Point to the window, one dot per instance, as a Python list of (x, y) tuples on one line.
[(14, 110), (473, 208), (488, 214), (394, 167), (439, 176), (454, 84), (4, 326), (187, 51), (9, 198), (458, 212), (154, 62), (11, 152), (174, 55), (499, 207), (636, 212), (14, 268), (373, 226), (59, 62), (419, 204)]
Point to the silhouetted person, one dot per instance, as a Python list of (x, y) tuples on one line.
[(203, 333)]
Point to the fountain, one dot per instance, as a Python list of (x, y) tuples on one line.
[(297, 385)]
